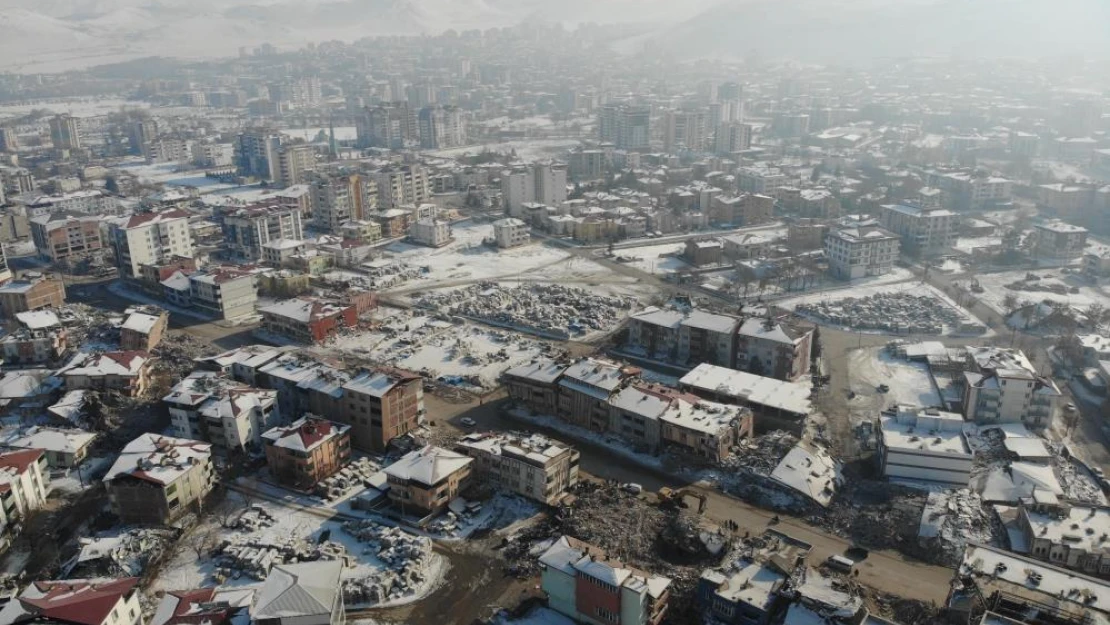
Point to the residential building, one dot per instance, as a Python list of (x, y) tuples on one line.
[(66, 237), (391, 125), (229, 414), (40, 339), (306, 451), (339, 199), (31, 294), (24, 485), (773, 401), (210, 606), (700, 253), (403, 185), (127, 372), (344, 252), (157, 479), (306, 593), (295, 163), (1001, 386), (424, 481), (746, 593), (760, 180), (432, 232), (76, 602), (364, 231), (1096, 262), (703, 428), (63, 448), (213, 155), (773, 348), (65, 132), (88, 201), (684, 337), (684, 130), (380, 406), (748, 209), (257, 154), (732, 137), (441, 127), (9, 142), (584, 584), (510, 232), (535, 385), (967, 190), (745, 246), (394, 222), (150, 239), (307, 320), (585, 388), (143, 328), (925, 445), (626, 127), (1059, 241), (586, 164), (248, 228), (280, 252), (1066, 534), (861, 251), (925, 232), (534, 467), (223, 292)]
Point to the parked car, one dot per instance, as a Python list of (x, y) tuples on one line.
[(633, 488), (468, 422)]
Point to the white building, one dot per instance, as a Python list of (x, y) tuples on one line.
[(24, 485), (925, 231), (150, 239), (431, 232), (90, 201), (861, 251), (1072, 536), (84, 601), (510, 232), (224, 293), (541, 183), (924, 445), (534, 467), (247, 229), (232, 416), (1003, 387), (1059, 241)]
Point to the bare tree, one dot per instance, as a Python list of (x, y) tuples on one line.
[(1095, 313), (1010, 303)]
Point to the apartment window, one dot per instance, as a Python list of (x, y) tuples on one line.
[(605, 615)]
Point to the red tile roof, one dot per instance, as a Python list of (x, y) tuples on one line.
[(20, 460), (141, 219), (78, 601)]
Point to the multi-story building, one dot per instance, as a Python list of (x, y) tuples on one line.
[(18, 179), (364, 230), (66, 236), (143, 328), (585, 388), (925, 231), (774, 349), (541, 183), (212, 155), (510, 232), (41, 340), (381, 405), (1001, 386), (627, 127), (761, 180), (535, 385), (24, 485), (307, 451), (1059, 241), (157, 479), (924, 445), (65, 132), (424, 481), (168, 150), (88, 201), (307, 320), (432, 232), (227, 413), (223, 292), (338, 199), (684, 337), (393, 125), (211, 606), (31, 294), (862, 251), (1066, 534), (295, 162), (732, 137), (83, 601), (257, 154), (966, 190), (1096, 262), (684, 130), (587, 164), (150, 239), (126, 372), (534, 467), (582, 583), (441, 127), (8, 140), (403, 185), (248, 228)]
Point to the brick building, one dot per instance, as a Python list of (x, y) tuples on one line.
[(307, 451), (31, 294), (307, 319)]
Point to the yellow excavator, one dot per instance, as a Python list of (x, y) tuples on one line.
[(677, 498)]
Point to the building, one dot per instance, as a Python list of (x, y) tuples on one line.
[(535, 385), (700, 253), (441, 127), (338, 199), (703, 428), (223, 292), (1067, 535), (684, 338), (126, 372), (364, 231), (210, 606), (9, 142), (925, 232), (1059, 241), (248, 228), (391, 125), (510, 232), (626, 127), (684, 130), (307, 593), (381, 405), (432, 232), (775, 349), (257, 155), (773, 401), (924, 445), (761, 180), (965, 190), (582, 583), (66, 237), (534, 467), (295, 163), (229, 414), (540, 183), (40, 339), (1096, 262), (76, 602), (746, 593), (861, 251), (307, 320), (24, 485), (65, 132), (150, 239), (63, 448), (403, 185), (424, 481), (143, 328), (31, 294), (1001, 386), (213, 155), (732, 137), (585, 388), (306, 451), (88, 201), (157, 479)]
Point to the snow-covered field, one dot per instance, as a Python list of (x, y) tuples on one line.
[(78, 107), (995, 291), (175, 175), (526, 150), (657, 259), (342, 133), (909, 382)]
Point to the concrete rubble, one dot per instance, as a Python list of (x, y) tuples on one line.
[(354, 476), (895, 313), (406, 557), (952, 519), (255, 556), (119, 554)]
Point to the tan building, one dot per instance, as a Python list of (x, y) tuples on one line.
[(1059, 241), (424, 481), (65, 236), (157, 479), (925, 231), (307, 451), (143, 329), (534, 467), (127, 372), (23, 295), (382, 405)]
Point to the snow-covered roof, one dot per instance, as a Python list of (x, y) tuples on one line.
[(59, 440), (70, 406), (140, 322), (702, 416), (377, 383), (1081, 527), (302, 310), (159, 459), (303, 589), (639, 401), (537, 449), (1019, 480), (122, 363), (38, 319), (204, 605), (541, 370), (305, 434), (572, 556), (428, 466), (606, 376), (751, 583), (811, 471), (748, 387)]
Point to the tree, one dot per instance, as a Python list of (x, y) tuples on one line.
[(815, 351), (111, 185), (1095, 313), (1010, 303)]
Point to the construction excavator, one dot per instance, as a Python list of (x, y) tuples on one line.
[(671, 497)]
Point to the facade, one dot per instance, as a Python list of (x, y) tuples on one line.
[(861, 251), (965, 190), (1001, 386), (77, 602), (704, 252), (582, 583), (157, 479), (223, 292), (247, 229), (25, 295), (424, 481), (306, 451), (391, 125), (403, 185), (431, 232), (295, 163), (66, 236), (441, 127), (773, 348), (381, 405), (307, 593), (307, 320), (336, 200), (924, 445), (143, 329), (127, 372), (732, 137), (510, 232), (229, 414), (534, 467), (257, 155), (1068, 535), (364, 231), (88, 201), (540, 183), (65, 132), (925, 232), (626, 127), (150, 239), (24, 485), (684, 130), (1059, 241)]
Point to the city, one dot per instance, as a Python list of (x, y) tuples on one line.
[(541, 324)]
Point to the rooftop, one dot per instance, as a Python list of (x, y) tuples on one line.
[(748, 387), (158, 459), (305, 434), (428, 465)]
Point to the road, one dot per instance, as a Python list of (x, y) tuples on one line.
[(887, 571)]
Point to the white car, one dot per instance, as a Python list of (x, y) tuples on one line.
[(468, 422)]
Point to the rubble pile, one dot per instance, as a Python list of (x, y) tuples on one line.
[(356, 475), (546, 308), (122, 554), (253, 519), (900, 610), (896, 313), (950, 520), (1077, 484), (876, 515), (763, 453), (406, 559), (255, 556), (177, 353), (1033, 283), (381, 276)]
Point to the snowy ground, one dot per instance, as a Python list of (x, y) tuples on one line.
[(175, 175), (656, 259), (526, 150), (535, 616), (909, 382), (342, 133), (995, 291), (78, 107), (968, 245)]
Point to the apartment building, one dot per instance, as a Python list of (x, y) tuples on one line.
[(1002, 386), (40, 340), (424, 481), (126, 372), (391, 125), (157, 479), (1059, 241), (382, 405), (1066, 534), (150, 239), (584, 584), (295, 164), (248, 228), (732, 137), (585, 388), (66, 236), (143, 328), (684, 130), (88, 201), (306, 451), (229, 414), (31, 294), (307, 320), (363, 231), (535, 384), (540, 183), (533, 467), (625, 126), (223, 292), (761, 180), (431, 232), (925, 232), (336, 200), (65, 132), (403, 185), (257, 154), (924, 445), (774, 349), (861, 251), (77, 601), (741, 210), (24, 486), (441, 127), (510, 232), (967, 190)]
